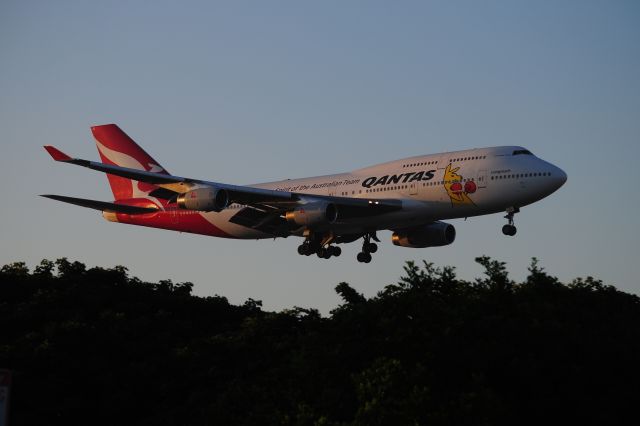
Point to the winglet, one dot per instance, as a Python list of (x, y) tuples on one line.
[(56, 154)]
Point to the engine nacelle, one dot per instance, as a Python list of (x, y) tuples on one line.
[(204, 199), (433, 235), (313, 214)]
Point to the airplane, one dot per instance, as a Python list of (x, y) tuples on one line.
[(411, 197)]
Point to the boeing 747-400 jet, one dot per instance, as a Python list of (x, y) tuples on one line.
[(410, 197)]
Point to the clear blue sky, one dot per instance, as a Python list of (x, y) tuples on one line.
[(244, 92)]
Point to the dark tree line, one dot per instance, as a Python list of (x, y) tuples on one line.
[(96, 346)]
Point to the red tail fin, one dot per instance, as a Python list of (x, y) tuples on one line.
[(116, 148)]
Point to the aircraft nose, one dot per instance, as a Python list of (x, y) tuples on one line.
[(559, 176)]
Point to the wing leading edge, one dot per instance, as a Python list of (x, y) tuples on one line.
[(246, 195)]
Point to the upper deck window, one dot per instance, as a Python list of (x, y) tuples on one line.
[(522, 152)]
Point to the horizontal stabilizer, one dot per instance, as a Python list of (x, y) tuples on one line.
[(102, 205)]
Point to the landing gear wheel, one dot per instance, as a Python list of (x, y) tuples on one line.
[(305, 249), (368, 247), (323, 253), (335, 251), (509, 230)]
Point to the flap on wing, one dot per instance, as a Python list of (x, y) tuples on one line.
[(270, 222), (102, 205)]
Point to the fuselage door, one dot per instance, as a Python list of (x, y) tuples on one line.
[(439, 178), (482, 179)]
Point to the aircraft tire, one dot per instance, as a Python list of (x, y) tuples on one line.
[(509, 230)]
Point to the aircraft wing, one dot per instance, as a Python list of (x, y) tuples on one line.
[(246, 195)]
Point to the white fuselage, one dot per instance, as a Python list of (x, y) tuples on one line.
[(432, 187)]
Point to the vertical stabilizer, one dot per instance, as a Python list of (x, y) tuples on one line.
[(116, 148)]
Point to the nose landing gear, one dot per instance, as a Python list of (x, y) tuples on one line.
[(510, 229)]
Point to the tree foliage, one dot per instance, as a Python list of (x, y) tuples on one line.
[(96, 346)]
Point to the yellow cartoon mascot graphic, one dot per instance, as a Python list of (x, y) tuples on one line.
[(458, 193)]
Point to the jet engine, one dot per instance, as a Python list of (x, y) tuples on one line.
[(432, 235), (313, 214), (204, 199)]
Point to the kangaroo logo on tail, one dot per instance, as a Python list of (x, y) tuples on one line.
[(118, 149)]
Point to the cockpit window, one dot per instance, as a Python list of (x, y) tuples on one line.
[(522, 152)]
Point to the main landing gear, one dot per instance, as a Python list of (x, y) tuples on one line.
[(368, 247), (321, 247), (510, 229)]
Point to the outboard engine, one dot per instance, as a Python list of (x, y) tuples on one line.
[(433, 235)]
